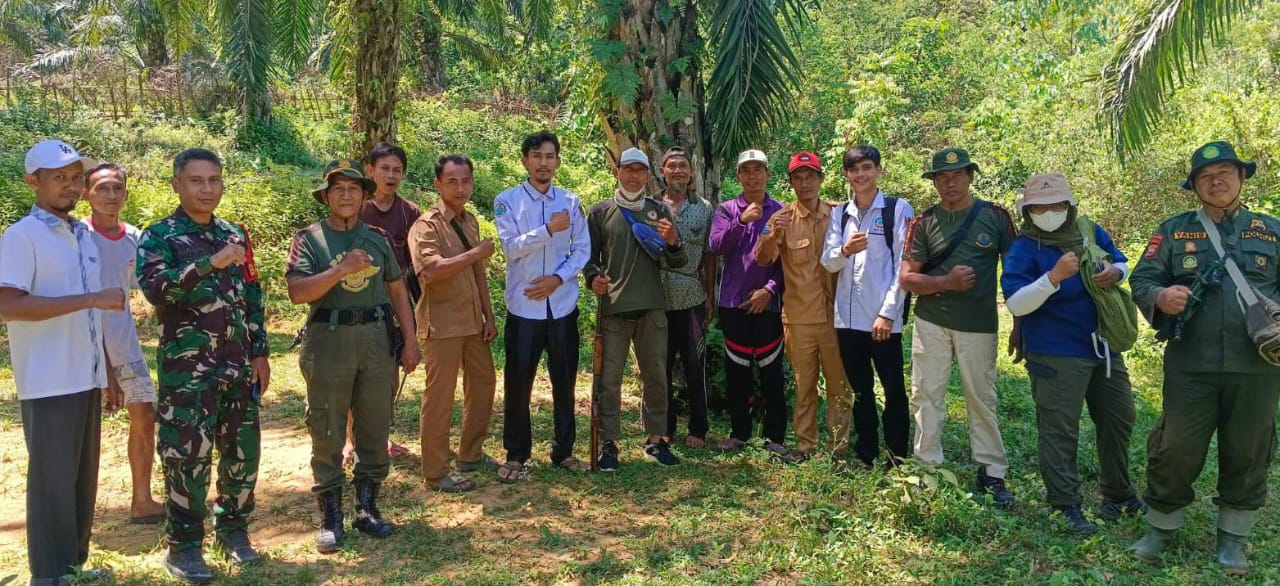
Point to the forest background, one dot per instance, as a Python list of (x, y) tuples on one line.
[(279, 88)]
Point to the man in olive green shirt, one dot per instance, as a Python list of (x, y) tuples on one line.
[(632, 238), (956, 315), (1214, 378)]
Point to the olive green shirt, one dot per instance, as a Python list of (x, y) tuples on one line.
[(1214, 339), (991, 234), (318, 247), (636, 280)]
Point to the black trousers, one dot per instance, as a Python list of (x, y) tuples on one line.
[(858, 353), (685, 338), (754, 340), (62, 436), (525, 341)]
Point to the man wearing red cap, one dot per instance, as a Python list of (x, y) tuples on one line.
[(795, 236)]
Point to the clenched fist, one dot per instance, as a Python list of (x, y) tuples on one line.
[(231, 254), (1173, 300), (856, 243), (753, 212), (1067, 266), (559, 222), (112, 299), (961, 278), (485, 249), (668, 232), (355, 261), (600, 284)]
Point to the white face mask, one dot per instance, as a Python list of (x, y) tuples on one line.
[(1050, 221)]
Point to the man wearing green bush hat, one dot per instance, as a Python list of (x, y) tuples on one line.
[(950, 260), (1194, 284), (347, 271)]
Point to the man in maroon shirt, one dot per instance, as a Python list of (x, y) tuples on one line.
[(392, 214)]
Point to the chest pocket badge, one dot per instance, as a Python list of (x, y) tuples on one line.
[(877, 227)]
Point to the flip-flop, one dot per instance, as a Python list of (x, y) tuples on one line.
[(147, 520)]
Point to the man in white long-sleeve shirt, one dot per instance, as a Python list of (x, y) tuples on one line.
[(544, 236), (863, 245)]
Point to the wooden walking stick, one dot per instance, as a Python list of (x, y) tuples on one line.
[(597, 366)]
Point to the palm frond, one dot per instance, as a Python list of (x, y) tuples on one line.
[(184, 21), (295, 22), (755, 72), (469, 47), (1157, 52), (21, 22), (247, 51), (536, 17)]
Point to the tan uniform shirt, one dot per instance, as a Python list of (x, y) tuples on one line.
[(452, 307), (808, 294)]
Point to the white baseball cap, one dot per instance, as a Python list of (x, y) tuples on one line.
[(634, 155), (750, 155), (54, 154)]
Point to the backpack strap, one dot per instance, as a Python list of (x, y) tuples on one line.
[(956, 238)]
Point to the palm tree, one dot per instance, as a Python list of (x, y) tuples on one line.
[(377, 68), (1157, 52), (653, 85)]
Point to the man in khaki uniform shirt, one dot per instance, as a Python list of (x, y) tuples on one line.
[(795, 235), (455, 321)]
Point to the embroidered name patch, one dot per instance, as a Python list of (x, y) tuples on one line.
[(1180, 235), (1260, 235)]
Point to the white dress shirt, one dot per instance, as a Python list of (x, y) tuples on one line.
[(867, 286), (521, 214)]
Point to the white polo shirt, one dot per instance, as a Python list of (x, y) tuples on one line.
[(521, 214), (48, 256), (867, 286)]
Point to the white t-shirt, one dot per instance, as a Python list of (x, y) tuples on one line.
[(47, 256), (119, 257)]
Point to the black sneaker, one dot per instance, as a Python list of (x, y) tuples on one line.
[(188, 564), (608, 457), (660, 453), (1000, 494), (1111, 510), (235, 544), (1077, 524)]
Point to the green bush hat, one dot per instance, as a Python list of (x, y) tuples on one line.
[(948, 159), (1218, 151), (348, 167)]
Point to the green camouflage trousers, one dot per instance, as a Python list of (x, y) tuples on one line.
[(193, 420)]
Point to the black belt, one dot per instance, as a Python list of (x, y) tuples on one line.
[(352, 317)]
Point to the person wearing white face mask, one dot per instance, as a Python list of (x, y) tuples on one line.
[(1068, 362)]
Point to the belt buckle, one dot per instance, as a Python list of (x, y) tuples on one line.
[(353, 319)]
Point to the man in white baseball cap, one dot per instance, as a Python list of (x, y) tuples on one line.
[(59, 393)]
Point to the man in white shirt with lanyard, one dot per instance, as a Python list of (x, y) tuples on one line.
[(544, 236), (864, 243), (54, 318)]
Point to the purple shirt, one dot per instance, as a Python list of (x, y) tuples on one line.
[(736, 242)]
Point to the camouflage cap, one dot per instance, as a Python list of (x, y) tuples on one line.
[(1219, 151), (348, 167), (948, 159)]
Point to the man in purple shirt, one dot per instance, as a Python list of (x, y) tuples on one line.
[(750, 309)]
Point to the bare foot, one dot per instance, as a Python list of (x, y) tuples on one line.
[(147, 512), (694, 441), (397, 450), (348, 454)]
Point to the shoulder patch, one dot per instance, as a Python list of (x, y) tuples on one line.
[(1153, 246), (500, 209)]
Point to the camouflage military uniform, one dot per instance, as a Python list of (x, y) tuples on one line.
[(211, 328)]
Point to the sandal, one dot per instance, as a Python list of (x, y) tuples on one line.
[(454, 484), (485, 461), (512, 472), (572, 464), (731, 444)]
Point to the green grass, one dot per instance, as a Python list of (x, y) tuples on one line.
[(739, 519)]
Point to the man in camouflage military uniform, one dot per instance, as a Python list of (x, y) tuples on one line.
[(1214, 378), (198, 271)]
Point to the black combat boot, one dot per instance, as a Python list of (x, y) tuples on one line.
[(1232, 554), (188, 565), (331, 533), (368, 519)]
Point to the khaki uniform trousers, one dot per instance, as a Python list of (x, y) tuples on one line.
[(442, 359), (932, 349), (811, 347)]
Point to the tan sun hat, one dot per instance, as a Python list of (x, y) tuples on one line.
[(1045, 188)]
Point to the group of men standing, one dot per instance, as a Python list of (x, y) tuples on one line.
[(389, 285)]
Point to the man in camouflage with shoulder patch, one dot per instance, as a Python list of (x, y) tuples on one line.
[(197, 269), (1215, 380)]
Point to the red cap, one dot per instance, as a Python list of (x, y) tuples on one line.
[(805, 159)]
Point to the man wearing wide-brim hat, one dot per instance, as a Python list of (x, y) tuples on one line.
[(1215, 379), (347, 272), (950, 260), (1069, 357)]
